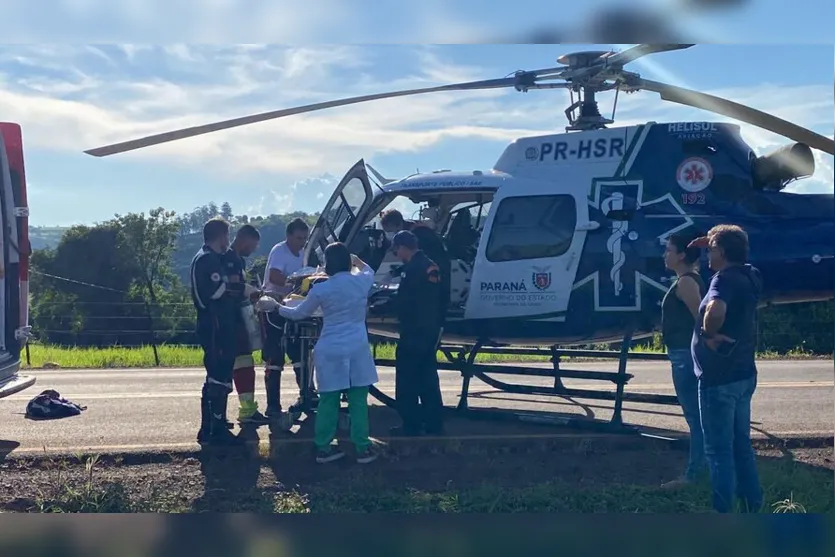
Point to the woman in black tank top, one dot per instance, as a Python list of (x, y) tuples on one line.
[(679, 311)]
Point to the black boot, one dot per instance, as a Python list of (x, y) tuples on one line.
[(219, 435), (205, 419), (272, 382), (213, 421)]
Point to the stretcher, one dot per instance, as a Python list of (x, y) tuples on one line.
[(306, 332)]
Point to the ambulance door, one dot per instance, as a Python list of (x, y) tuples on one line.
[(14, 273), (339, 218), (529, 253)]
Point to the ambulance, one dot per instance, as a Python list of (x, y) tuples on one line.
[(15, 330)]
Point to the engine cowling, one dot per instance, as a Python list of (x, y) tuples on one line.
[(776, 169)]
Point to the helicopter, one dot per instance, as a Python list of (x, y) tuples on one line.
[(560, 243)]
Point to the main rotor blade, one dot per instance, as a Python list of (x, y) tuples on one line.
[(522, 81), (737, 111), (633, 53)]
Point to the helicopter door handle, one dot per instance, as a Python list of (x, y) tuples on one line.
[(591, 225)]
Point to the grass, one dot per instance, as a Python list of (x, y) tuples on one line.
[(179, 356), (790, 487)]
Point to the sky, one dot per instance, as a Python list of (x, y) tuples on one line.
[(69, 98)]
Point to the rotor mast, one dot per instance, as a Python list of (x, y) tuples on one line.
[(584, 113)]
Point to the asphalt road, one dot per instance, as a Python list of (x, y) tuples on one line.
[(134, 409)]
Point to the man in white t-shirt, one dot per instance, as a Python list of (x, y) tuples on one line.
[(285, 259)]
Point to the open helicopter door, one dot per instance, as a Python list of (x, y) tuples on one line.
[(529, 252), (341, 217)]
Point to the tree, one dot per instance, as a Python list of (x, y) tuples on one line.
[(257, 269), (80, 290), (149, 242), (226, 211)]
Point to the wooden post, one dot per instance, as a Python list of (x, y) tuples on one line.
[(151, 331)]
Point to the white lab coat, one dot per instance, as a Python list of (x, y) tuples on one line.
[(342, 356)]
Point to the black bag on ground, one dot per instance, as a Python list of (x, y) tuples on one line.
[(49, 405)]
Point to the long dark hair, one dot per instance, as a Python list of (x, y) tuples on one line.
[(337, 259), (681, 241)]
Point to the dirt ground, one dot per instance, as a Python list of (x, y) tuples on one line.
[(480, 466)]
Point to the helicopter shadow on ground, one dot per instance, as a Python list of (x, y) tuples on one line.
[(231, 477), (588, 408)]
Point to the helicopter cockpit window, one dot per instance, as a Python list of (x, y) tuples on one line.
[(532, 228)]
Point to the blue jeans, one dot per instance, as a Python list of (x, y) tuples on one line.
[(687, 390), (726, 421)]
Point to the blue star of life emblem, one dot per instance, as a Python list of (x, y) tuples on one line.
[(618, 284)]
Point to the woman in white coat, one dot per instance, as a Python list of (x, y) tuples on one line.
[(342, 356)]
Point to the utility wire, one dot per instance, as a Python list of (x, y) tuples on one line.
[(79, 282)]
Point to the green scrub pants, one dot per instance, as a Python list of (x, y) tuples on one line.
[(327, 418)]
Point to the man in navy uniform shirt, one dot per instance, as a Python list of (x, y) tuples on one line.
[(724, 349), (217, 301), (429, 243), (421, 317)]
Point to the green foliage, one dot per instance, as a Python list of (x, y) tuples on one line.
[(147, 244), (119, 276), (803, 327)]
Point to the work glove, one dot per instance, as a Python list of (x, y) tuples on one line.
[(266, 304)]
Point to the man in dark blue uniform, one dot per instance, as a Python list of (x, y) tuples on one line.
[(217, 300), (724, 347), (420, 312), (429, 243)]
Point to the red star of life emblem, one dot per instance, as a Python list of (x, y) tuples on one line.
[(693, 173)]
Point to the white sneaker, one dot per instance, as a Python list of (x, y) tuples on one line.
[(329, 455)]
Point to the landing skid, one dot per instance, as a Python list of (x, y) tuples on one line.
[(462, 359)]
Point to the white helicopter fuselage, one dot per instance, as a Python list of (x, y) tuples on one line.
[(562, 241), (532, 234)]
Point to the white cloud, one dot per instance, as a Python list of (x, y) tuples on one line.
[(65, 102)]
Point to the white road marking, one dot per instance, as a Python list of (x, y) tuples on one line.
[(180, 372), (473, 391), (176, 394)]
